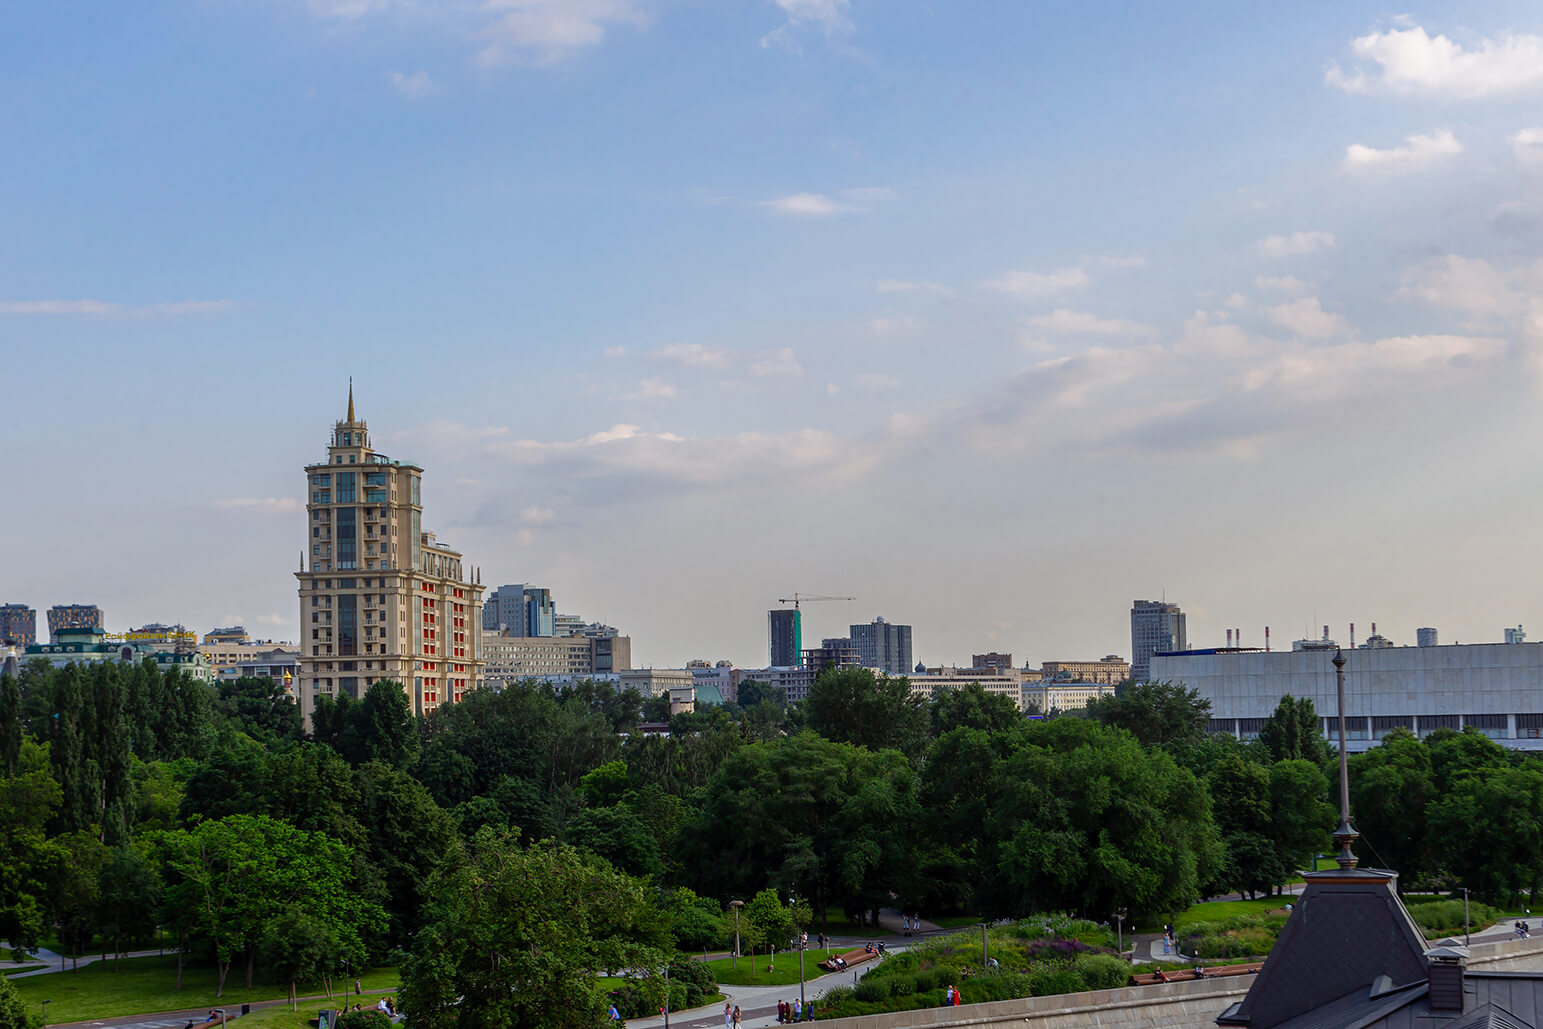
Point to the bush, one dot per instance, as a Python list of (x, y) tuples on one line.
[(696, 980), (870, 990), (364, 1018), (1050, 980), (1102, 971), (902, 985), (1235, 943), (1446, 916)]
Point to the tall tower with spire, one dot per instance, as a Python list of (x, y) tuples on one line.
[(380, 598)]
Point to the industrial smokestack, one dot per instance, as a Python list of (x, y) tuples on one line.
[(1237, 637), (1229, 639), (1325, 632), (1266, 639), (1352, 635)]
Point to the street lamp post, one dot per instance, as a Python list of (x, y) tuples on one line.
[(222, 1017), (1465, 916), (1119, 921), (736, 905), (45, 1011), (666, 995)]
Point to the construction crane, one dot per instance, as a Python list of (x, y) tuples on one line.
[(797, 598)]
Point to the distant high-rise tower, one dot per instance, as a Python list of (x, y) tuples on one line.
[(62, 617), (1155, 626), (1425, 637), (379, 597), (883, 645), (520, 611), (18, 625), (785, 627)]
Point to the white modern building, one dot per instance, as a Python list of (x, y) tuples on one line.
[(1496, 688)]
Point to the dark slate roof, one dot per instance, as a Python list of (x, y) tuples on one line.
[(1348, 929), (1358, 1008), (1489, 1017)]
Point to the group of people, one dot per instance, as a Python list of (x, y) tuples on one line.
[(730, 1016), (797, 1011), (951, 997), (911, 924)]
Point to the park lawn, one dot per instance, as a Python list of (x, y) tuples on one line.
[(1216, 910), (20, 968), (955, 921), (280, 1017), (145, 985), (752, 968), (838, 924)]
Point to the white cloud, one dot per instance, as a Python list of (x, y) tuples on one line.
[(779, 364), (694, 355), (259, 505), (616, 351), (1321, 367), (1294, 244), (830, 16), (1410, 61), (546, 31), (1417, 152), (626, 459), (1039, 284), (1282, 283), (415, 86), (901, 286), (1236, 301), (1466, 284), (1063, 322), (655, 389), (892, 324), (831, 389), (1306, 317), (108, 309), (348, 9), (877, 381), (823, 205), (538, 515), (1116, 261), (1528, 145)]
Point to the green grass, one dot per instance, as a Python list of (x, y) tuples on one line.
[(955, 921), (1217, 910), (838, 924), (21, 968), (149, 984), (752, 968)]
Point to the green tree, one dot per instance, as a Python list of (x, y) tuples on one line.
[(14, 1013), (1086, 820), (1156, 713), (770, 919), (1488, 831), (233, 876), (1293, 731), (406, 835), (1392, 789), (260, 707), (381, 727), (514, 938), (852, 705), (128, 897), (29, 799), (971, 706), (753, 693), (1301, 817), (299, 946)]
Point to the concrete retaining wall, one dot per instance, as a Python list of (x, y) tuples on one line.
[(1190, 1004)]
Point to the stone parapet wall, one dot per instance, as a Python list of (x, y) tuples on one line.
[(1181, 1005), (1511, 955)]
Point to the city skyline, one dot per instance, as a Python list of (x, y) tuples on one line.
[(992, 318)]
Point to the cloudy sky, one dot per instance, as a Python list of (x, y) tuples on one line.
[(995, 316)]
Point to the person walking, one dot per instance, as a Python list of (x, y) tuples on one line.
[(735, 1024), (728, 1015)]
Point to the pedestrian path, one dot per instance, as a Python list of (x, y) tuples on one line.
[(894, 920), (53, 962)]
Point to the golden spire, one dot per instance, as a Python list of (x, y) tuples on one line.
[(350, 398)]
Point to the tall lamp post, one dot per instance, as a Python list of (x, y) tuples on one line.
[(736, 905), (45, 1011), (1465, 916), (1119, 921)]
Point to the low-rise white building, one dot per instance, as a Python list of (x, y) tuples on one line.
[(1496, 688)]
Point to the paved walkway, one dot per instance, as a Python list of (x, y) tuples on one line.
[(59, 963)]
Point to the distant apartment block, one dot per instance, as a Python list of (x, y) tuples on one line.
[(785, 632), (832, 653), (992, 662), (90, 645), (883, 645), (73, 616), (793, 682), (233, 634), (1007, 683), (508, 658), (1155, 627), (651, 682), (18, 625), (1110, 670)]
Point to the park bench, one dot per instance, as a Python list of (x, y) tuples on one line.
[(851, 957), (1188, 974)]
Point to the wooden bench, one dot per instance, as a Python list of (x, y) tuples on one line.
[(851, 957), (1181, 975)]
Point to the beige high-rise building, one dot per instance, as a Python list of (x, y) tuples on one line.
[(379, 597)]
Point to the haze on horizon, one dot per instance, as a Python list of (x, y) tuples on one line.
[(993, 316)]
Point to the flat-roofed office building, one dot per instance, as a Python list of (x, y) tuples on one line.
[(1496, 688)]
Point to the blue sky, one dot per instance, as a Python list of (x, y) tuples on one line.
[(995, 316)]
